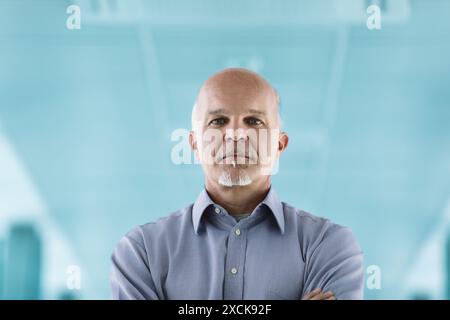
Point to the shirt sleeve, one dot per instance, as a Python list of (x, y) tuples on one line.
[(336, 264), (131, 277)]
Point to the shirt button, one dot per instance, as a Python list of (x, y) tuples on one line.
[(233, 270), (237, 232), (217, 210)]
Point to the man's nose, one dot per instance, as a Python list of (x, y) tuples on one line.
[(236, 134)]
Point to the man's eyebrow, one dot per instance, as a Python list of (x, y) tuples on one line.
[(259, 112), (218, 111)]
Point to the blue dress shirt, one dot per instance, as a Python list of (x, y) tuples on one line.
[(202, 252)]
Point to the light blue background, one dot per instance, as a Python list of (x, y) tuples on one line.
[(86, 117)]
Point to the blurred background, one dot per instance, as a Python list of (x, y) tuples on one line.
[(86, 117)]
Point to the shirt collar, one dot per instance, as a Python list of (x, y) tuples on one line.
[(271, 201)]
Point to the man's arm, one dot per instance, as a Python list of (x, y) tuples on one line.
[(336, 265), (131, 277), (318, 294)]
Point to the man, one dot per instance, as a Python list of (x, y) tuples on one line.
[(238, 240)]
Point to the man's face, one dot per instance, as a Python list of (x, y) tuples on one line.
[(237, 132)]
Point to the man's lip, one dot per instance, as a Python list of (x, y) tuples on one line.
[(235, 156)]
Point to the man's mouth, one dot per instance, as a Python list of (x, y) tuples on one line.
[(236, 156), (236, 159)]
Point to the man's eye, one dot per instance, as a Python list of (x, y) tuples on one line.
[(254, 122), (218, 122)]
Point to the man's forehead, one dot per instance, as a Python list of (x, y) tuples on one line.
[(237, 90), (230, 101), (256, 107)]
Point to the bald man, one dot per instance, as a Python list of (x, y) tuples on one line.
[(238, 240)]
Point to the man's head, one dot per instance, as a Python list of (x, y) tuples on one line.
[(236, 128)]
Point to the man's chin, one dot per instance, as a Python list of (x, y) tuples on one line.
[(234, 184), (234, 178)]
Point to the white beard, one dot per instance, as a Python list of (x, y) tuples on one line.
[(243, 179)]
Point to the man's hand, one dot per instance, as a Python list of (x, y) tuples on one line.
[(317, 294)]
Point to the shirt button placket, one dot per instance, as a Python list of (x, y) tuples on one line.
[(234, 277)]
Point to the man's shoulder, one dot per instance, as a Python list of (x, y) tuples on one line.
[(306, 220), (161, 227), (315, 229)]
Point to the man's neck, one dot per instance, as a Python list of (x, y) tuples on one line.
[(238, 199)]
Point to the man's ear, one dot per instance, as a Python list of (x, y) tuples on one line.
[(192, 140), (283, 142), (193, 143)]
